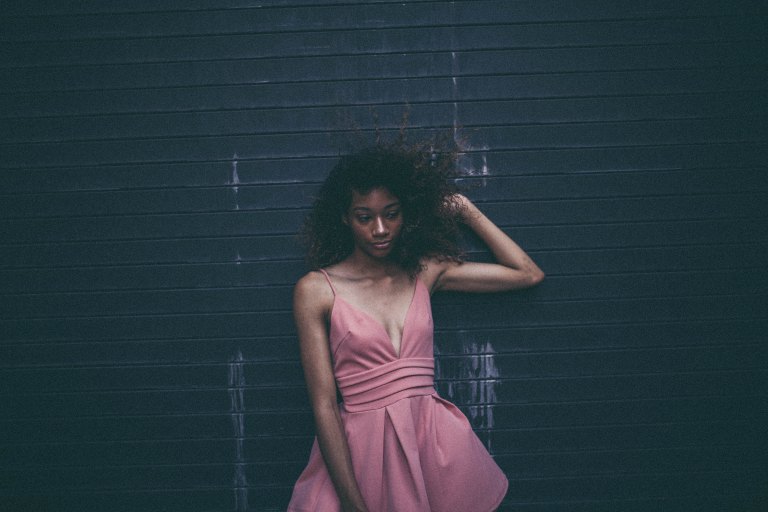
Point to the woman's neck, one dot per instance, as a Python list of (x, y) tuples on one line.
[(362, 264)]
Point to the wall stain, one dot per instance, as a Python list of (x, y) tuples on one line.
[(237, 412), (470, 381)]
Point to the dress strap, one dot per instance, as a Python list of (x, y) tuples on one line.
[(328, 278)]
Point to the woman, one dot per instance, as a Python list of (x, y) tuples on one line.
[(382, 237)]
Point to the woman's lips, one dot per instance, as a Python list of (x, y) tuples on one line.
[(382, 245)]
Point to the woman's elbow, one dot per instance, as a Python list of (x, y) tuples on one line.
[(523, 279), (532, 278), (324, 405), (537, 277)]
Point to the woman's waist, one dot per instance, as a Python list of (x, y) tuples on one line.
[(387, 383)]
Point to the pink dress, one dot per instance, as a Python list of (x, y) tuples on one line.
[(411, 450)]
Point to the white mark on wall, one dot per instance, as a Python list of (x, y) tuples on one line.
[(455, 95), (471, 381), (464, 158), (235, 181), (237, 412), (484, 168)]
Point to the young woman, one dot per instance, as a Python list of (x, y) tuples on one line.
[(382, 237)]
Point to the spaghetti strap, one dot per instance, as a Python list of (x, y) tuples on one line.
[(328, 278)]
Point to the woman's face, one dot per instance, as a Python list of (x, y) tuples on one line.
[(375, 219)]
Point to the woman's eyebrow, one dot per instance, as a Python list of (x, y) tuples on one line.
[(365, 208)]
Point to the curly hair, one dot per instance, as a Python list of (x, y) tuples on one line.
[(419, 175)]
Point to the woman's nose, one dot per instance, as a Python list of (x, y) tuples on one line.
[(380, 227)]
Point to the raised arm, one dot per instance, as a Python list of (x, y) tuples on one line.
[(514, 268), (312, 300)]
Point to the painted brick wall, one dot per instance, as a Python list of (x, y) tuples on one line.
[(156, 160)]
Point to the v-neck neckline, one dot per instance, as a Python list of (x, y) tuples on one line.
[(397, 353)]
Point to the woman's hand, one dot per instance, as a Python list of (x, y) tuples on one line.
[(465, 209), (458, 205)]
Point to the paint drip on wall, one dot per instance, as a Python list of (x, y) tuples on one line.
[(465, 161), (235, 181), (237, 412), (470, 381)]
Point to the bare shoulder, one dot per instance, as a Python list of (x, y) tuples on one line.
[(433, 269), (312, 292)]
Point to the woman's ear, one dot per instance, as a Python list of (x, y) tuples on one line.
[(344, 219)]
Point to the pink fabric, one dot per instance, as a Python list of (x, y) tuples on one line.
[(411, 450)]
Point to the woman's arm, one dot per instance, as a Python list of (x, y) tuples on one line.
[(312, 300), (514, 268)]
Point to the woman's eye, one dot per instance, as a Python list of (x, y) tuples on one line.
[(393, 215), (363, 218)]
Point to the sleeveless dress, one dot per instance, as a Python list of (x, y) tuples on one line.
[(411, 450)]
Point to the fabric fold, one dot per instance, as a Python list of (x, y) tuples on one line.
[(387, 384)]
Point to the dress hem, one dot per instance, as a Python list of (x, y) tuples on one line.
[(501, 497)]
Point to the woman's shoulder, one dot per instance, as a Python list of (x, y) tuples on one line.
[(313, 286)]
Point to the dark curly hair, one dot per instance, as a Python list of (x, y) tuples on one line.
[(420, 175)]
